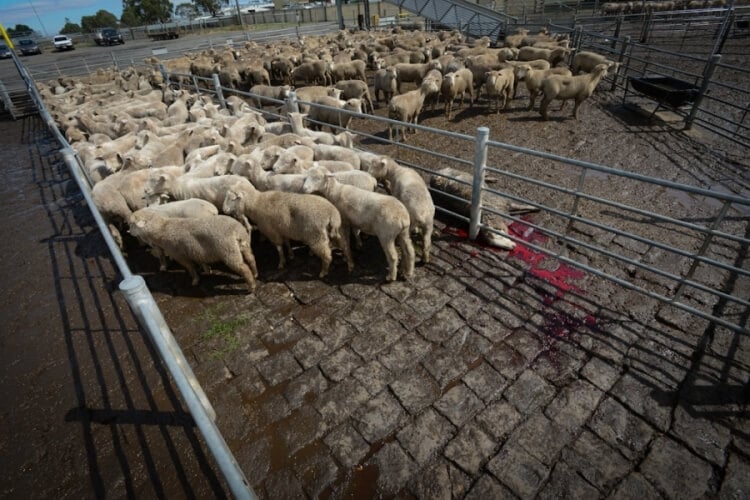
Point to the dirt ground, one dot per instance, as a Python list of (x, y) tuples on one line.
[(296, 372)]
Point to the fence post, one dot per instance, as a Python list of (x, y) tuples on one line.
[(616, 36), (164, 73), (292, 102), (707, 74), (577, 43), (114, 61), (619, 62), (726, 27), (219, 93), (480, 159), (645, 27)]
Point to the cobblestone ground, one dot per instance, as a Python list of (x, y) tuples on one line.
[(479, 379)]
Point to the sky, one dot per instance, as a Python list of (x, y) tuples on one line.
[(47, 17)]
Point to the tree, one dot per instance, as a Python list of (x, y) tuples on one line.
[(146, 11), (102, 19), (210, 6), (186, 10), (19, 30), (70, 27)]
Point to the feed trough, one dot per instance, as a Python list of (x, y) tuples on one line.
[(665, 90)]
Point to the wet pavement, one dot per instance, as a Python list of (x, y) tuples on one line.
[(490, 375)]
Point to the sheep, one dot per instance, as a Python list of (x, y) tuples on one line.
[(451, 189), (406, 107), (554, 56), (212, 189), (587, 61), (348, 71), (267, 94), (338, 153), (385, 81), (414, 73), (455, 84), (372, 213), (334, 118), (578, 87), (312, 94), (409, 188), (313, 72), (356, 89), (499, 84), (204, 240), (282, 217), (535, 77)]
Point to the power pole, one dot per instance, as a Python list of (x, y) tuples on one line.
[(239, 14), (340, 14)]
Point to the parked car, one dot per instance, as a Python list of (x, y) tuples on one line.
[(28, 47), (4, 51), (110, 36), (107, 36), (62, 42)]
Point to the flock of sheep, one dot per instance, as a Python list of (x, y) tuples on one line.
[(190, 179), (636, 7)]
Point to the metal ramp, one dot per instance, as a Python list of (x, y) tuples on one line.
[(16, 99), (469, 18)]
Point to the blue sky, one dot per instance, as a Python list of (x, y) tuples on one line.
[(47, 17)]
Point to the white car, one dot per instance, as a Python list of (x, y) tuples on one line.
[(62, 42)]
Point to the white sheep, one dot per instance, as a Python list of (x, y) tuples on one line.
[(372, 213), (535, 77), (211, 189), (337, 153), (454, 84), (586, 61), (406, 107), (409, 187), (204, 240), (578, 87), (335, 114), (385, 82), (282, 217), (500, 84)]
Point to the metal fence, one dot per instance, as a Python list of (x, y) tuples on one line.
[(684, 255), (144, 306)]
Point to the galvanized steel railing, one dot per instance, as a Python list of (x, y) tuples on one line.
[(144, 306)]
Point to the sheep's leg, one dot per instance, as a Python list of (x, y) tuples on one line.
[(239, 267), (187, 264), (575, 108), (389, 247), (544, 105), (342, 242), (532, 98), (282, 259), (426, 243), (247, 255), (407, 249), (322, 249)]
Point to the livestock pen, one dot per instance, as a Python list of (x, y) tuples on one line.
[(624, 300)]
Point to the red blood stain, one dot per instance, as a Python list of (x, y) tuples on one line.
[(558, 325)]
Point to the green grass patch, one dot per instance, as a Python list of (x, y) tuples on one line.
[(221, 331)]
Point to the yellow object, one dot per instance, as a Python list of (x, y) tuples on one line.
[(375, 21), (6, 37)]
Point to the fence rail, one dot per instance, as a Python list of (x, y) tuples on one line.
[(683, 261)]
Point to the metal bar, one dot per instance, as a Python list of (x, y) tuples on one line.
[(620, 58), (480, 160), (707, 74), (217, 89)]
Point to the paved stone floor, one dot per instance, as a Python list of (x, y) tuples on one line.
[(490, 375)]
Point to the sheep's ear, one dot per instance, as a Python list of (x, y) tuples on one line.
[(140, 223)]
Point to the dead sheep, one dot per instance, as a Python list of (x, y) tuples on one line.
[(373, 213), (578, 87), (410, 188), (205, 240), (282, 217)]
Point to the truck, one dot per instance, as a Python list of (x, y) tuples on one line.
[(166, 31)]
